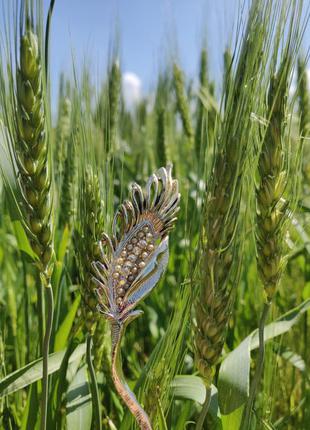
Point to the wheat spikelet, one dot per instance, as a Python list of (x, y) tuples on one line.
[(304, 113), (67, 189), (206, 110), (113, 104), (26, 117), (161, 116), (90, 214), (90, 227), (62, 136), (213, 306), (227, 73), (219, 250), (182, 103), (161, 136), (271, 206), (220, 258), (200, 133), (31, 152), (102, 347), (304, 101)]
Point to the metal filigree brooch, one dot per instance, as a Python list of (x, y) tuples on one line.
[(132, 262)]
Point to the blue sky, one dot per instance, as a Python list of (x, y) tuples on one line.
[(150, 31)]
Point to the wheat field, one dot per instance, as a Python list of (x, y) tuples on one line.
[(155, 258)]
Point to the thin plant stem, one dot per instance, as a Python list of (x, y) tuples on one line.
[(259, 368), (26, 316), (305, 327), (93, 386), (204, 411), (40, 312), (46, 343), (47, 35), (162, 414), (60, 388), (58, 291)]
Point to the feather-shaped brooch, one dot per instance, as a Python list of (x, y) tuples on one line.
[(132, 262)]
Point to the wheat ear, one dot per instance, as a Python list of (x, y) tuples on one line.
[(304, 113), (271, 206), (90, 225), (89, 228), (220, 258), (32, 151), (32, 160), (272, 212), (182, 102)]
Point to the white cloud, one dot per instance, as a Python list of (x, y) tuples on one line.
[(132, 88)]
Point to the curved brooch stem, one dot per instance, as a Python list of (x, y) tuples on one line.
[(117, 332), (132, 262)]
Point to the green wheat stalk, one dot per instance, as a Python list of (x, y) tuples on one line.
[(25, 108)]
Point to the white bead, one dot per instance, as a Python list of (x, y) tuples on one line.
[(127, 264), (136, 250), (132, 257), (142, 244)]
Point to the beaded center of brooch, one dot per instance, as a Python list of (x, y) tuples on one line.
[(131, 259)]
